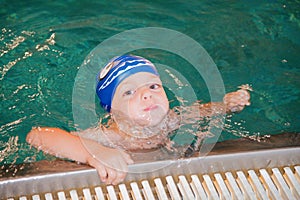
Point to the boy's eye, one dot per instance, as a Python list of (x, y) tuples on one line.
[(154, 86), (129, 92)]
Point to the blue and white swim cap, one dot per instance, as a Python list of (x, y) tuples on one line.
[(117, 70)]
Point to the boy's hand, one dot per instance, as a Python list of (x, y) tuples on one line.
[(111, 164), (236, 101)]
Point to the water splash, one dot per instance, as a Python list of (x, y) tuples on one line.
[(16, 41), (9, 151), (181, 129), (237, 128)]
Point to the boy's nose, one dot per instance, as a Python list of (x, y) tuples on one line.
[(146, 94)]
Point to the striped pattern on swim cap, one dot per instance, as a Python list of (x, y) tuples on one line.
[(115, 72)]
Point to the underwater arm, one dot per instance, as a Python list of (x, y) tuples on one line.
[(232, 102), (111, 164)]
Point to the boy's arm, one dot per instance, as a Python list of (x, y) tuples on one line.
[(232, 102), (58, 142), (212, 108), (111, 164)]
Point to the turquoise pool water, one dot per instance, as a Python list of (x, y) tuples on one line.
[(43, 44)]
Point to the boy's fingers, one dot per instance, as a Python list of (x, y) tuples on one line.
[(120, 177), (128, 159), (241, 107), (100, 169), (102, 173), (111, 175), (244, 94)]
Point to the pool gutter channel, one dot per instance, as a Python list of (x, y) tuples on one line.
[(49, 176)]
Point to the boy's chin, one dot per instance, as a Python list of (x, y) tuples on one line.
[(152, 119), (147, 123)]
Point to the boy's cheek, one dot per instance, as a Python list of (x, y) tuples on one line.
[(121, 105), (134, 113)]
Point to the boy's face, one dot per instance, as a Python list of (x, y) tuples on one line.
[(141, 98)]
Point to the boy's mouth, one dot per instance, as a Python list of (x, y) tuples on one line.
[(152, 107)]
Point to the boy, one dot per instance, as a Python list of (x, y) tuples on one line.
[(129, 88)]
